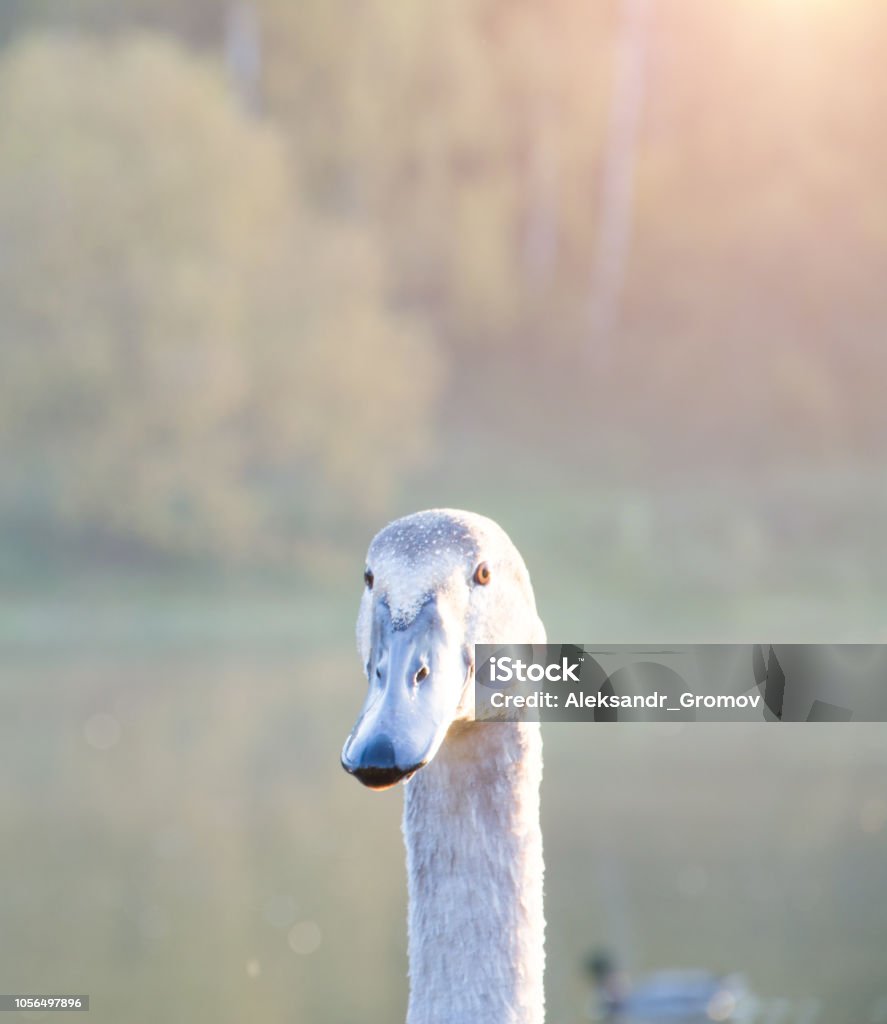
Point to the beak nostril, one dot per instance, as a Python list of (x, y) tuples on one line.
[(422, 673)]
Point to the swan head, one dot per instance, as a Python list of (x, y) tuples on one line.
[(436, 584)]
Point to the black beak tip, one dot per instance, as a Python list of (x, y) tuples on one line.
[(379, 778), (376, 764)]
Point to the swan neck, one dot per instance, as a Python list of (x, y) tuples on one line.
[(474, 864)]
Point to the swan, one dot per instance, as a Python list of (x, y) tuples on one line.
[(437, 583)]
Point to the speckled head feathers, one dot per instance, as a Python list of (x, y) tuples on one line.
[(437, 583), (431, 552), (435, 554)]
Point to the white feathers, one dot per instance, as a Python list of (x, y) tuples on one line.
[(471, 816), (475, 867)]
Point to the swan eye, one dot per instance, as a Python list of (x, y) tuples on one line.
[(482, 574), (368, 579)]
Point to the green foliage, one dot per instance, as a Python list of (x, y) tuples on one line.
[(476, 132), (466, 128), (177, 327), (216, 330)]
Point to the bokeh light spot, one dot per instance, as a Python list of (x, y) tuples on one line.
[(102, 731), (304, 937)]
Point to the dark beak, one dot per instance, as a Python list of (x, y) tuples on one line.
[(416, 679)]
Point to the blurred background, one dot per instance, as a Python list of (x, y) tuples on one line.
[(272, 274)]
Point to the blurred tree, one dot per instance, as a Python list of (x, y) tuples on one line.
[(173, 334), (468, 140), (471, 130)]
